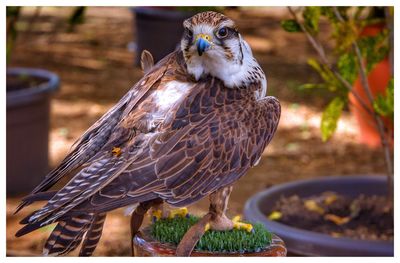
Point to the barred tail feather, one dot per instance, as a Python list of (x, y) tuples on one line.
[(93, 235), (68, 234)]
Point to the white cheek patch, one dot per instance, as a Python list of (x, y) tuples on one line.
[(235, 70)]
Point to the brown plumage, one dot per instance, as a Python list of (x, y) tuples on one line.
[(170, 138)]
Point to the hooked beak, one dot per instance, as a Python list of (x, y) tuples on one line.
[(203, 43)]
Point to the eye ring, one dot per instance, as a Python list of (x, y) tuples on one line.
[(222, 32)]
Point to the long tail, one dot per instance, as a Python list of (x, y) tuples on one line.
[(93, 235), (69, 233)]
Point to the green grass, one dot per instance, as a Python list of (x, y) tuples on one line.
[(172, 230)]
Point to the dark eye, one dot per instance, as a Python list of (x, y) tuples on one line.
[(222, 32)]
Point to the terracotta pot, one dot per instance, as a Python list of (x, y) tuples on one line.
[(145, 246), (309, 243), (378, 80)]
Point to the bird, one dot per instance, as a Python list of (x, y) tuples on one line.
[(194, 124)]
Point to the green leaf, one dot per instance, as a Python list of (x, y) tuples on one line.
[(77, 17), (374, 48), (312, 86), (330, 117), (331, 82), (384, 105), (12, 11), (311, 15), (290, 25), (347, 66)]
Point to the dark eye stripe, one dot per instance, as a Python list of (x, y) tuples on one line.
[(188, 34)]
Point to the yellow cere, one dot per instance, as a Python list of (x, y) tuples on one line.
[(204, 36)]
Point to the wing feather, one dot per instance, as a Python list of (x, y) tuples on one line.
[(187, 162), (99, 133), (206, 142)]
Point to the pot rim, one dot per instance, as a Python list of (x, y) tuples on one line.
[(253, 206), (144, 235), (26, 95)]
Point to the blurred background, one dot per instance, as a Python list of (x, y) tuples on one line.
[(94, 51)]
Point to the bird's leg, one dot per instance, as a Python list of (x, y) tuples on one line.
[(218, 206), (158, 211), (215, 219), (192, 236), (137, 217)]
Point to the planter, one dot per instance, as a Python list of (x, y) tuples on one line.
[(145, 246), (158, 30), (28, 109), (378, 79), (308, 243)]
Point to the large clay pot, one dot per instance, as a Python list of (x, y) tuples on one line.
[(309, 243), (378, 79), (28, 113), (145, 246)]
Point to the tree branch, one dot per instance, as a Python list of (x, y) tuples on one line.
[(378, 120), (321, 52), (389, 25)]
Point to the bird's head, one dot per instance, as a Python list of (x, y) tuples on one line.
[(212, 45)]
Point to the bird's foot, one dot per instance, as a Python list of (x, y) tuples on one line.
[(237, 224), (222, 223), (180, 212), (157, 214)]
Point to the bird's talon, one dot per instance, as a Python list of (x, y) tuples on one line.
[(156, 215), (181, 212), (236, 219), (237, 224)]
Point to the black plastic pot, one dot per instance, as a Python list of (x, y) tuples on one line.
[(158, 30), (308, 243), (28, 112)]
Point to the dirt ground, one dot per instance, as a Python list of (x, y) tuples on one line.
[(96, 69)]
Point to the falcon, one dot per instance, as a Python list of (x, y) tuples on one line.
[(189, 128)]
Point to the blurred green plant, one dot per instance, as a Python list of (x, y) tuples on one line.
[(77, 17), (345, 32), (13, 21), (12, 15), (354, 55), (384, 105)]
